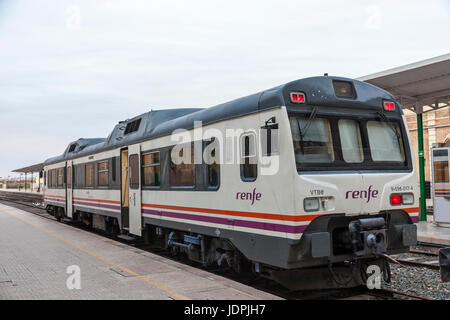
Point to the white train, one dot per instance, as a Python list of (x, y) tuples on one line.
[(309, 182)]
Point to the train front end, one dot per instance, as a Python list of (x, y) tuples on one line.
[(356, 176)]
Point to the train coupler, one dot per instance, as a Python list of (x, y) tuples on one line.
[(368, 236)]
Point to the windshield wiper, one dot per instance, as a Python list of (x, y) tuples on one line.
[(385, 119), (312, 116)]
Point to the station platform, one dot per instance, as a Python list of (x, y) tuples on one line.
[(41, 258), (428, 231), (21, 191)]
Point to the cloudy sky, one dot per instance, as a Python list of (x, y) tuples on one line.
[(71, 69)]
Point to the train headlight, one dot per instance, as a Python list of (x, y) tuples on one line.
[(311, 204), (407, 198)]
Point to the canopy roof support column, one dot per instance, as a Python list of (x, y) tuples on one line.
[(423, 202)]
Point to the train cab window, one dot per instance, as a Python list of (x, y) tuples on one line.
[(248, 163), (134, 171), (89, 175), (312, 140), (350, 135), (60, 174), (69, 177), (211, 153), (103, 173), (151, 168), (385, 141), (183, 174)]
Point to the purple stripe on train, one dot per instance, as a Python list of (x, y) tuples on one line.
[(98, 205), (228, 221)]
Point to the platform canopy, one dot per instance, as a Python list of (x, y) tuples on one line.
[(34, 168), (420, 87)]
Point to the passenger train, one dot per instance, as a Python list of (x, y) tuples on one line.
[(308, 183)]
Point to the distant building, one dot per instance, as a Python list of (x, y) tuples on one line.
[(436, 130)]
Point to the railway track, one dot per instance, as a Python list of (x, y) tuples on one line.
[(388, 294), (31, 204), (424, 255), (27, 202), (417, 262)]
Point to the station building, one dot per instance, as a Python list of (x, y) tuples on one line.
[(436, 132)]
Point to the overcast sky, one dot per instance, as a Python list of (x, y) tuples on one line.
[(71, 69)]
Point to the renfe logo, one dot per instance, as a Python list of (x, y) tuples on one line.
[(362, 194), (252, 196)]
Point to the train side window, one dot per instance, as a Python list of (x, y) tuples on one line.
[(211, 152), (134, 171), (89, 174), (183, 174), (113, 169), (52, 179), (45, 178), (60, 177), (248, 162), (103, 171), (69, 177), (151, 168), (79, 176)]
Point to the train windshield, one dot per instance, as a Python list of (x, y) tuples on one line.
[(330, 142)]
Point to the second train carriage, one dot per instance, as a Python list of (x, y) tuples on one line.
[(315, 182)]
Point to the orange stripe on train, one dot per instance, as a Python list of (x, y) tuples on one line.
[(237, 213), (98, 200)]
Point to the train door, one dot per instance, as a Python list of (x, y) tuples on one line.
[(69, 190), (124, 203), (441, 185), (135, 189)]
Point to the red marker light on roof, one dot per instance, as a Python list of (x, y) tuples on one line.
[(389, 106), (298, 97)]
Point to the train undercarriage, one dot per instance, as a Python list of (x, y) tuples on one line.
[(361, 246)]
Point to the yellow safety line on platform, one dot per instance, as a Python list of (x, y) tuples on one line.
[(155, 284)]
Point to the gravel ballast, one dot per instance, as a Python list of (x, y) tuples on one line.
[(418, 281)]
